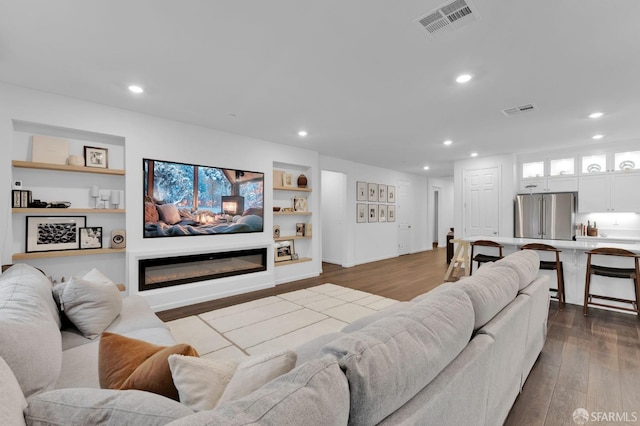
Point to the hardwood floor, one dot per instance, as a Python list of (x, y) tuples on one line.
[(587, 362)]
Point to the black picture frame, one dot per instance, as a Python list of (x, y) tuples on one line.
[(91, 238), (53, 233), (96, 157)]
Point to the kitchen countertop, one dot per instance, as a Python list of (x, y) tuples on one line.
[(592, 243)]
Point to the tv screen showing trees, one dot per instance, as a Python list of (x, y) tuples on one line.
[(188, 199)]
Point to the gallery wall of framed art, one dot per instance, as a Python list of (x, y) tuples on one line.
[(375, 202)]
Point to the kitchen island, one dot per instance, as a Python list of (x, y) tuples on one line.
[(574, 262)]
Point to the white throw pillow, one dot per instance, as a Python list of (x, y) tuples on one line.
[(12, 401), (201, 381), (90, 306), (97, 277)]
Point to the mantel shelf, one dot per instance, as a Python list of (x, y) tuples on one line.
[(293, 237), (63, 211), (292, 213), (291, 188), (291, 262), (64, 253), (66, 168)]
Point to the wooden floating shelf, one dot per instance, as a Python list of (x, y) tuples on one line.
[(292, 213), (288, 188), (64, 253), (66, 168), (293, 237), (62, 211), (291, 262)]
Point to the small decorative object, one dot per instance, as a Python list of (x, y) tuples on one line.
[(300, 229), (283, 250), (276, 231), (373, 192), (294, 256), (391, 213), (307, 229), (593, 168), (382, 212), (75, 160), (277, 178), (52, 233), (361, 191), (302, 181), (16, 199), (91, 237), (627, 165), (287, 180), (17, 184), (287, 210), (47, 149), (95, 194), (95, 157), (115, 199), (391, 194), (300, 204), (361, 213), (118, 239), (104, 196), (276, 209), (373, 213), (382, 193)]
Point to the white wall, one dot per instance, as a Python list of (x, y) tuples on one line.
[(151, 137), (368, 242), (334, 215)]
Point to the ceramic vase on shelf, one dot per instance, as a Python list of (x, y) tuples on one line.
[(302, 181)]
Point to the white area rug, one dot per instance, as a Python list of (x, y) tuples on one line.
[(276, 322)]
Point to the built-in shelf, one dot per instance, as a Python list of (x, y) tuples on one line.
[(66, 168), (290, 262), (291, 188), (64, 253), (62, 211), (292, 213), (293, 237)]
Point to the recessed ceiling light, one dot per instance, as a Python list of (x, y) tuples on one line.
[(426, 167), (136, 89), (474, 154), (302, 133), (597, 136), (596, 115), (463, 78), (447, 142)]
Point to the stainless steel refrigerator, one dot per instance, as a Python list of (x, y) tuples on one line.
[(549, 216)]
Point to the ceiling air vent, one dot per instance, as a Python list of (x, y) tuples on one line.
[(510, 112), (448, 17)]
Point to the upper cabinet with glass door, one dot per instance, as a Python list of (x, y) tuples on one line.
[(610, 162), (549, 175)]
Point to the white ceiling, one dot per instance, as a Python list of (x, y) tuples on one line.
[(360, 76)]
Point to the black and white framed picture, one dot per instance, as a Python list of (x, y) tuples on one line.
[(283, 250), (52, 233), (361, 191), (300, 228), (361, 213), (382, 212), (373, 213), (91, 237), (391, 213), (300, 204), (391, 194), (95, 157), (382, 193), (373, 192)]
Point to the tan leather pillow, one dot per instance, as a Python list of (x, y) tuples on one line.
[(126, 363), (150, 213)]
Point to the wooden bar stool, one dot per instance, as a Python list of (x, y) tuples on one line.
[(484, 258), (608, 271), (550, 265), (459, 259)]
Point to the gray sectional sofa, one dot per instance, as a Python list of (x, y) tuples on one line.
[(456, 355)]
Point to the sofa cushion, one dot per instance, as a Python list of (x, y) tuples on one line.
[(79, 407), (12, 400), (371, 318), (490, 292), (309, 350), (90, 306), (388, 362), (525, 263), (126, 363), (314, 394)]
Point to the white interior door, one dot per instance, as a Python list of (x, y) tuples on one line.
[(481, 202), (404, 217), (333, 200)]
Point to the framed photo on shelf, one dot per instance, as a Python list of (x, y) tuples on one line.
[(391, 213), (391, 194), (300, 229), (283, 250), (361, 191), (382, 212), (91, 237), (361, 213), (95, 157), (373, 213), (53, 233), (373, 192), (287, 180), (300, 204), (382, 193)]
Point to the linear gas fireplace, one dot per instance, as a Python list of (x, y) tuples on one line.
[(171, 271)]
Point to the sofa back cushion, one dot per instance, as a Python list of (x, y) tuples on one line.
[(12, 400), (30, 340), (525, 263), (391, 360)]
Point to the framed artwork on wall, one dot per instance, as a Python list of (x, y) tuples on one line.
[(300, 204), (361, 191), (91, 237), (361, 213), (373, 213), (382, 193), (287, 180), (391, 194), (283, 250), (391, 213), (95, 157), (373, 192), (51, 233), (382, 212)]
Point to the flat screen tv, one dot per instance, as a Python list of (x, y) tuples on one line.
[(188, 199)]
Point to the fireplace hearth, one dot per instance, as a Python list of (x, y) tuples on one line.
[(177, 270)]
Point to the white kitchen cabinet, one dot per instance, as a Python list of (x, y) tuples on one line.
[(609, 192), (550, 184)]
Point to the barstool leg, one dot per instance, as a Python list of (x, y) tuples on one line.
[(585, 311), (636, 283), (560, 272)]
